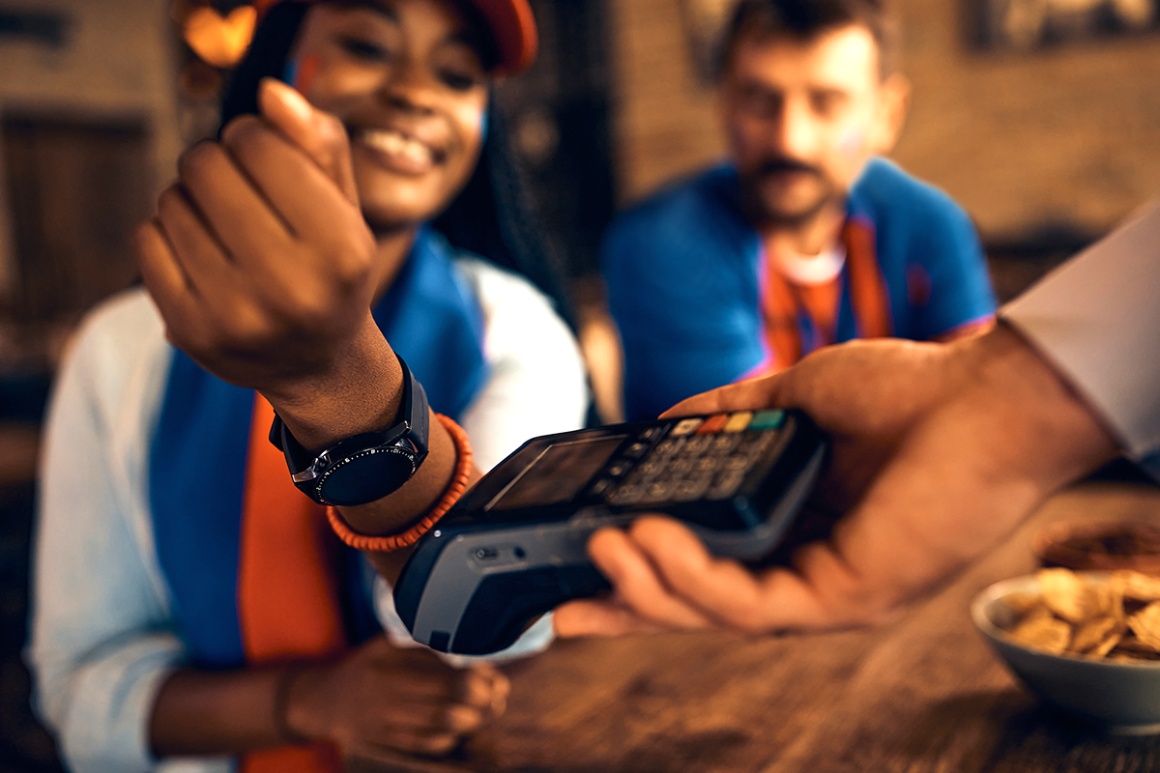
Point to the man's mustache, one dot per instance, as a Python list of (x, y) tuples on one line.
[(783, 165)]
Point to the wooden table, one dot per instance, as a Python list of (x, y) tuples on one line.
[(923, 693)]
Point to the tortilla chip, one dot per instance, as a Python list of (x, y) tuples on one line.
[(1146, 625), (1117, 619)]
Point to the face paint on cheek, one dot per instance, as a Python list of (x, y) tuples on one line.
[(300, 73), (852, 142)]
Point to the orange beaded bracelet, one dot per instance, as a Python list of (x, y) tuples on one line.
[(385, 543)]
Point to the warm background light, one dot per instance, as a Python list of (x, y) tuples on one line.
[(219, 41)]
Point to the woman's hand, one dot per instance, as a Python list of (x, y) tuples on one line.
[(258, 256), (381, 698)]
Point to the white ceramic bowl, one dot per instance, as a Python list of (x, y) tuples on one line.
[(1116, 697)]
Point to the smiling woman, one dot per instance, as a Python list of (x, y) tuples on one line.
[(408, 83), (365, 217), (490, 215)]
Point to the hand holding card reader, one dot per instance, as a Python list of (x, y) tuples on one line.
[(514, 547)]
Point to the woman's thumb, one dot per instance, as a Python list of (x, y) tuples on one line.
[(320, 135)]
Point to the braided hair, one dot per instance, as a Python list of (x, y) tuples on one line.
[(491, 217)]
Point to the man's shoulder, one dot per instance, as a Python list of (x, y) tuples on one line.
[(703, 201), (706, 190), (886, 191), (913, 220)]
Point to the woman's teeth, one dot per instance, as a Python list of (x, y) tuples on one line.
[(393, 143)]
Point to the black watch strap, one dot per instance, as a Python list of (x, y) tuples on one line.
[(368, 466)]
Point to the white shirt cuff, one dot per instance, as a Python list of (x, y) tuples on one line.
[(1096, 318)]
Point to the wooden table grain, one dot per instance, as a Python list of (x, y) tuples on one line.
[(922, 693)]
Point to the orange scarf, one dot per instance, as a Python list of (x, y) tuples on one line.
[(785, 304), (287, 585)]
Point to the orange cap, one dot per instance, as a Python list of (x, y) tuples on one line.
[(511, 23)]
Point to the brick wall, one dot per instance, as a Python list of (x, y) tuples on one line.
[(88, 133), (115, 59)]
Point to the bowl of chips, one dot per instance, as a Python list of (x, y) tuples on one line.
[(1086, 643)]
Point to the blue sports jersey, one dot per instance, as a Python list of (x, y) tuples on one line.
[(683, 270)]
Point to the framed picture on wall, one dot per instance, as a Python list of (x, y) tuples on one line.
[(1030, 24)]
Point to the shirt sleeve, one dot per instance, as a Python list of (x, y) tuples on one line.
[(638, 310), (956, 290), (681, 274), (537, 382), (99, 646), (1096, 319)]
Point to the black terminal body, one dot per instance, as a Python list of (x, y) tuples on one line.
[(513, 547)]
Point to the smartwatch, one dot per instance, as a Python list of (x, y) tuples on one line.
[(368, 466)]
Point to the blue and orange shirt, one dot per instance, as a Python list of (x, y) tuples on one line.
[(697, 306)]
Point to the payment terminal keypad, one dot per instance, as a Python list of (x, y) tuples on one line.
[(691, 459)]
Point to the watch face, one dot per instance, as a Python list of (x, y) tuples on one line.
[(368, 476), (367, 466)]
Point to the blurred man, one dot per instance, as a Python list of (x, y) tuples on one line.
[(805, 237)]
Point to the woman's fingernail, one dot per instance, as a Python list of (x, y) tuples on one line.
[(290, 98)]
